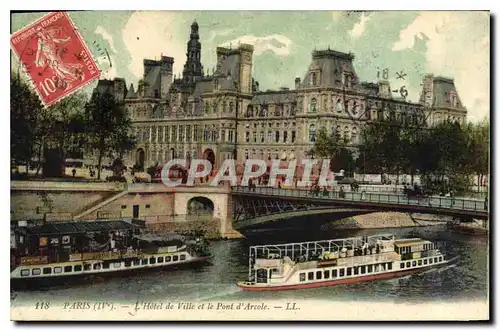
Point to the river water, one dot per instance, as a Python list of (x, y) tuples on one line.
[(465, 278)]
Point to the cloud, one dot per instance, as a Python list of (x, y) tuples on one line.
[(458, 46), (216, 33), (359, 28), (148, 35), (106, 36), (276, 43)]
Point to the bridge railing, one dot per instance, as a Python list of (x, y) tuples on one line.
[(433, 201)]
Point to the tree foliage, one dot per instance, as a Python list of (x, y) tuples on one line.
[(334, 147), (446, 154), (108, 127)]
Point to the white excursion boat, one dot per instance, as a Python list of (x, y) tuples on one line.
[(55, 251), (339, 261)]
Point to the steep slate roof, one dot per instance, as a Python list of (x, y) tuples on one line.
[(203, 86), (131, 94), (331, 65), (152, 82), (274, 97), (442, 88)]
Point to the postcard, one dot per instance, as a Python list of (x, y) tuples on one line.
[(250, 166)]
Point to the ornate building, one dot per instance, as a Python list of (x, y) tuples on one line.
[(223, 114)]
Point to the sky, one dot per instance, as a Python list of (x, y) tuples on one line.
[(453, 44)]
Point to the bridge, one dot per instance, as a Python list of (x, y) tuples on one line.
[(254, 207)]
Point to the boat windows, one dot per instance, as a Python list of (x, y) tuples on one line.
[(389, 266), (86, 267), (334, 273), (176, 258), (370, 268), (105, 265), (144, 261), (349, 271), (47, 271), (183, 257), (326, 274), (318, 274), (160, 259), (97, 266), (168, 258), (25, 272), (425, 261), (363, 269), (435, 260), (356, 270), (128, 263), (136, 262), (419, 262), (310, 276), (78, 267), (376, 268), (408, 264), (414, 263), (117, 265), (440, 259), (341, 272), (401, 265), (68, 268), (302, 277), (430, 260), (152, 260), (35, 272), (57, 270)]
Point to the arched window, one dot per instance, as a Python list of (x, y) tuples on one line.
[(312, 105), (312, 133), (231, 107), (354, 135), (223, 135), (249, 111), (263, 112), (313, 79), (277, 111), (346, 133), (207, 107), (338, 106)]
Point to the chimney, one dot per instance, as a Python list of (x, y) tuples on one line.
[(297, 83)]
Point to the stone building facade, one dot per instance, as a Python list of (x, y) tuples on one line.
[(223, 114)]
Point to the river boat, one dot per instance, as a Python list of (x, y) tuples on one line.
[(61, 250), (338, 261)]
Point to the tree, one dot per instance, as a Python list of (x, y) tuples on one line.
[(108, 126), (25, 110), (479, 143), (332, 146)]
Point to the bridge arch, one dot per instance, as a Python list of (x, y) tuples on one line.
[(200, 206)]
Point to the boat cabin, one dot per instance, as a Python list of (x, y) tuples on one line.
[(413, 247), (62, 241)]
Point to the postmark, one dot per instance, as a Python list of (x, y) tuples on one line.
[(54, 56)]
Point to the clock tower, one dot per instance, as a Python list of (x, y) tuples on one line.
[(193, 68)]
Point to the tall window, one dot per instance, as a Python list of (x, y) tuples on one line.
[(223, 136), (285, 136), (346, 133), (205, 133), (312, 105), (231, 135), (224, 106), (249, 112), (167, 134), (262, 136), (160, 134), (269, 136), (254, 137), (145, 134), (338, 106), (195, 133), (312, 133), (231, 107), (181, 133), (313, 79), (293, 136), (246, 154), (277, 138), (174, 133), (207, 107), (247, 137), (214, 107), (188, 133), (354, 135)]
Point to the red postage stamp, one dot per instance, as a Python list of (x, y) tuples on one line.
[(54, 56)]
